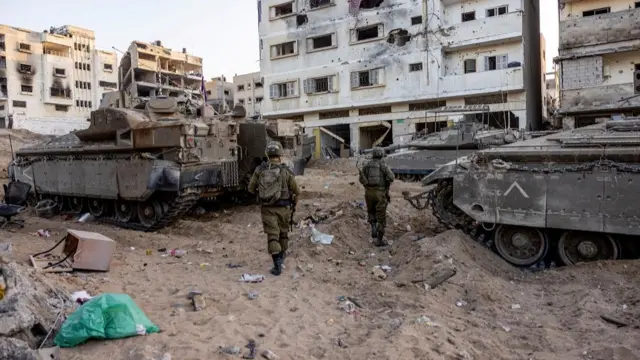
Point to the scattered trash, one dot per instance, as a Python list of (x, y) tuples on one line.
[(269, 355), (330, 322), (461, 303), (85, 217), (505, 328), (196, 299), (204, 265), (342, 344), (252, 350), (149, 252), (624, 306), (107, 316), (234, 266), (320, 238), (251, 278), (252, 295), (424, 320), (81, 297), (378, 273), (515, 306), (231, 350), (385, 268), (347, 306), (5, 248), (43, 233), (3, 287), (438, 277), (177, 253), (408, 227)]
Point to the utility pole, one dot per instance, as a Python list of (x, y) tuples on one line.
[(532, 64)]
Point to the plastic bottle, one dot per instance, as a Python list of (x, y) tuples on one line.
[(3, 287), (177, 253)]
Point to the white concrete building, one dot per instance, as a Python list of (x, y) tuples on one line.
[(50, 81), (599, 60), (551, 93), (359, 68), (220, 94), (249, 93)]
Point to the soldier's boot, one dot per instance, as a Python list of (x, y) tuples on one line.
[(374, 229), (380, 241), (277, 264)]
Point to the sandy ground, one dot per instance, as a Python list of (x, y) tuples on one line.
[(487, 310)]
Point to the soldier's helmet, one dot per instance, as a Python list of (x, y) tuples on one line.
[(274, 149), (377, 153)]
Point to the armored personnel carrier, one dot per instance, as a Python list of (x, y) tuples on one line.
[(425, 153), (572, 191), (137, 168)]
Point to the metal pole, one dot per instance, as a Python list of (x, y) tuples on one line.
[(532, 64)]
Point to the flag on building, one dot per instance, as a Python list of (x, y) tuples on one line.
[(354, 7), (204, 90)]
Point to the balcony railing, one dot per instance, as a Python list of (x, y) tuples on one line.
[(488, 30), (610, 28)]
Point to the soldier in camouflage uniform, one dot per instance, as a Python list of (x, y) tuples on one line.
[(277, 209), (376, 177)]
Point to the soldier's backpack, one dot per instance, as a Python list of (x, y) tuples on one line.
[(373, 174), (270, 184)]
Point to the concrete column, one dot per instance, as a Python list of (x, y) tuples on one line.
[(355, 138)]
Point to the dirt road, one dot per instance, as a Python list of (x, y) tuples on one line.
[(487, 310)]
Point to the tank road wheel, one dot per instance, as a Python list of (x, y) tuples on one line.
[(97, 207), (579, 246), (521, 246), (124, 211), (149, 212), (76, 204)]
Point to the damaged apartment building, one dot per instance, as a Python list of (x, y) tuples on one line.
[(151, 69), (599, 60), (365, 72), (51, 80), (249, 93)]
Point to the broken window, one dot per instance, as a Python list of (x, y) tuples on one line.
[(62, 108), (496, 62), (25, 69), (427, 105), (283, 90), (365, 78), (637, 6), (226, 92), (259, 99), (19, 104), (468, 16), (599, 11), (24, 47), (241, 101), (60, 72), (284, 49), (302, 19), (3, 87), (416, 20), (3, 62), (258, 85), (240, 87), (2, 43), (374, 110), (500, 10), (319, 3), (59, 92), (469, 66), (318, 85), (107, 67), (26, 88), (399, 37), (368, 33), (370, 4), (321, 42), (281, 10), (107, 84), (415, 67)]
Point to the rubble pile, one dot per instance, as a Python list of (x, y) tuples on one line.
[(31, 309)]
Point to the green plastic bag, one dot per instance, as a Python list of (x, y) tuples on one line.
[(107, 316)]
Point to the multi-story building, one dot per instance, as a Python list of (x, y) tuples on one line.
[(151, 70), (365, 68), (51, 80), (551, 94), (599, 60), (219, 94), (249, 93)]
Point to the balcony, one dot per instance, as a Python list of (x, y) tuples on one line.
[(484, 31), (510, 79), (54, 41), (616, 27), (58, 96), (607, 97)]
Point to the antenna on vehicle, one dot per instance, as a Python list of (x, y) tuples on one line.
[(12, 157)]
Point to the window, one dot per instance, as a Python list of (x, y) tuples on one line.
[(249, 100), (248, 86), (415, 67), (208, 92), (1, 107), (321, 42), (500, 10), (226, 92), (283, 90), (495, 62), (637, 66), (62, 108), (365, 78), (284, 49), (281, 10), (367, 33), (416, 20), (107, 67), (599, 11), (19, 104), (637, 6), (84, 66), (241, 101), (318, 85), (258, 85), (78, 103), (59, 92), (469, 66), (26, 88), (468, 16), (24, 47), (259, 99), (240, 87), (3, 62), (25, 69), (314, 4), (107, 84), (59, 72)]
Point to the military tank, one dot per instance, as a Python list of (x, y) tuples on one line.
[(138, 168), (569, 196), (426, 152)]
